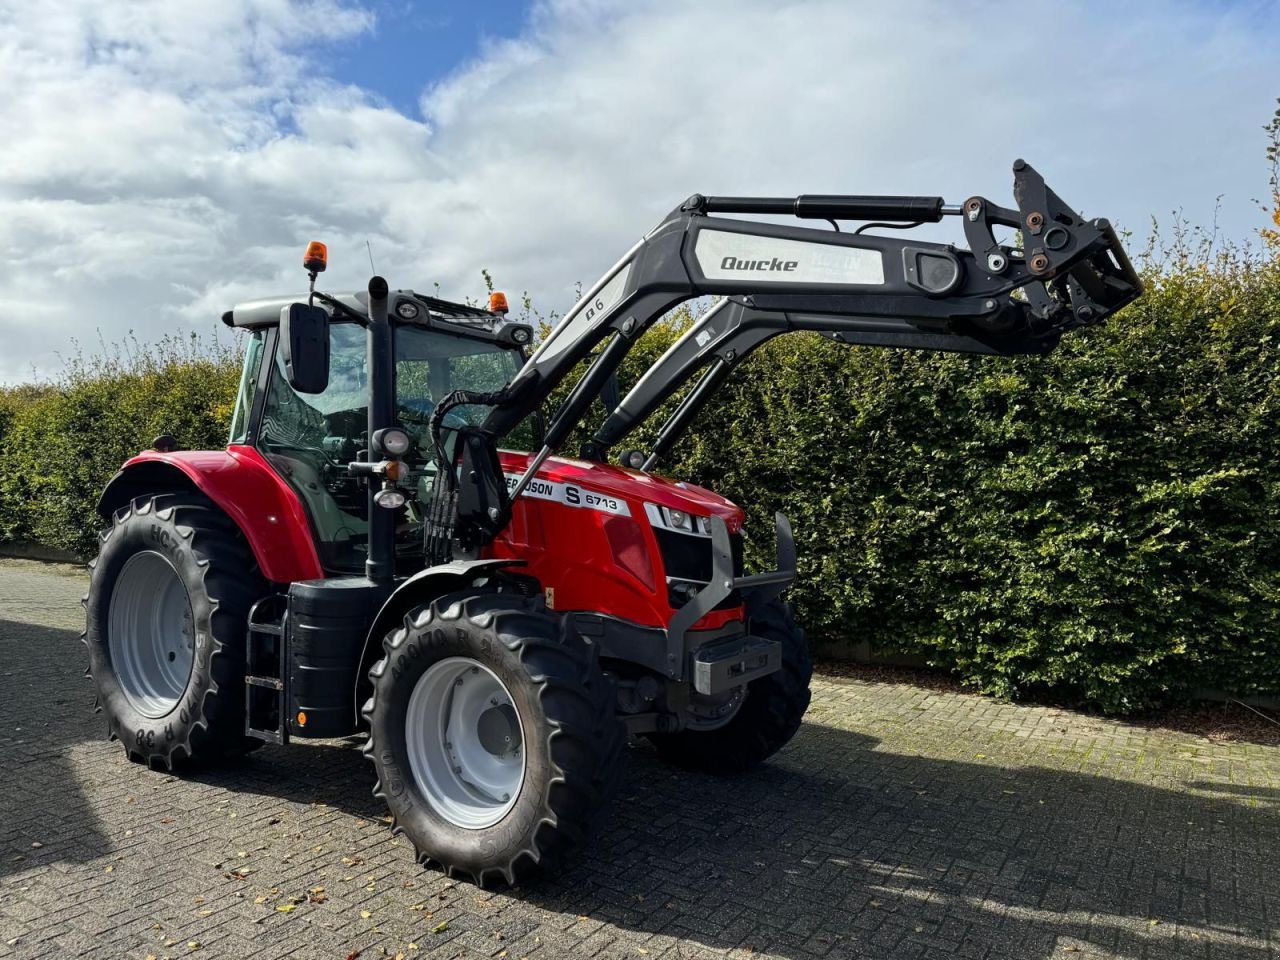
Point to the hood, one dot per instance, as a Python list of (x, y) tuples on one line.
[(631, 485)]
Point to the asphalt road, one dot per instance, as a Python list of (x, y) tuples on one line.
[(900, 823)]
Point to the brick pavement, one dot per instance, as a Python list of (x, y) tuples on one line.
[(899, 823)]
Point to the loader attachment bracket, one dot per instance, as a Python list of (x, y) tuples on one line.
[(765, 586)]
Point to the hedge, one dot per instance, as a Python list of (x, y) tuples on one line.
[(1099, 526)]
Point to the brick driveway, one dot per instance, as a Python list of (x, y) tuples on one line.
[(899, 823)]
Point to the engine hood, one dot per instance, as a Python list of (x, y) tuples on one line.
[(631, 485)]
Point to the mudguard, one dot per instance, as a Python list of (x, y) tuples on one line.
[(243, 485), (423, 587)]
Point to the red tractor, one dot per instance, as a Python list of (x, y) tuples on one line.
[(364, 555)]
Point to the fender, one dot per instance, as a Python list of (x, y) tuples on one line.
[(241, 482), (423, 587)]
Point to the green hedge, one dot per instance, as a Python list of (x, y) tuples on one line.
[(1101, 526), (61, 443)]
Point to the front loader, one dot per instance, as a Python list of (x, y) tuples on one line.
[(390, 544)]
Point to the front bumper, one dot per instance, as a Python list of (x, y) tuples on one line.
[(711, 661), (757, 587)]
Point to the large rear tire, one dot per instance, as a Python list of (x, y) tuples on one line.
[(769, 716), (494, 736), (166, 614)]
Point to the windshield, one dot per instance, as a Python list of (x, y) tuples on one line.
[(311, 437)]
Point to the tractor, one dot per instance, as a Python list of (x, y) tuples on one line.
[(389, 543)]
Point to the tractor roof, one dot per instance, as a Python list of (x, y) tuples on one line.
[(266, 312)]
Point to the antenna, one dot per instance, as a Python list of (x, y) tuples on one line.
[(369, 247)]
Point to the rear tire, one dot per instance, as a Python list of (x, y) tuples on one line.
[(769, 716), (166, 614), (532, 668)]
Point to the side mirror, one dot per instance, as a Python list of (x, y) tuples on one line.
[(304, 347)]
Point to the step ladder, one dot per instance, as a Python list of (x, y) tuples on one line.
[(266, 674)]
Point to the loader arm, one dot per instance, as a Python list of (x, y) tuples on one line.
[(891, 291), (724, 336)]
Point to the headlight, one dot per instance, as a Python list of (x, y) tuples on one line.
[(389, 498), (669, 518), (392, 440)]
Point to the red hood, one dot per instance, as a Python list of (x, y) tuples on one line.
[(631, 485)]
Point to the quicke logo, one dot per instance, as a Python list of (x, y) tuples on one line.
[(733, 263)]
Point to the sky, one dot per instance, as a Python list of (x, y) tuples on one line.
[(161, 161)]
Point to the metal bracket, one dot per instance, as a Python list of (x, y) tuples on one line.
[(723, 582)]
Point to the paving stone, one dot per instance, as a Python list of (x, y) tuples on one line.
[(899, 823)]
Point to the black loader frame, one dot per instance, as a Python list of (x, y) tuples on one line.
[(856, 288)]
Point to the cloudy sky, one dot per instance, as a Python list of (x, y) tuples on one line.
[(161, 160)]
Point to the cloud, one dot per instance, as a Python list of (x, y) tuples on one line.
[(161, 161)]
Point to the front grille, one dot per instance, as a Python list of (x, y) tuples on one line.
[(688, 558)]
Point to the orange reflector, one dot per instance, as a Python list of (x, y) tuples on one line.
[(498, 302), (317, 256), (302, 718)]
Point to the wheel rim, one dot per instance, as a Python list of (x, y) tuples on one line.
[(466, 743), (151, 634)]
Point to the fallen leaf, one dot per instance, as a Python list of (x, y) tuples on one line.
[(110, 870), (36, 844), (365, 914), (193, 944), (203, 913), (440, 927), (287, 907), (353, 955), (262, 899), (166, 820)]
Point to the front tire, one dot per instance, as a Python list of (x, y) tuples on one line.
[(166, 614), (769, 716), (493, 733)]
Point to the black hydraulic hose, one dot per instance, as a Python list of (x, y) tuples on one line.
[(458, 398)]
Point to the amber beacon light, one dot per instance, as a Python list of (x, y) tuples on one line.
[(316, 258)]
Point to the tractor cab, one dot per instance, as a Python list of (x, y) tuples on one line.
[(310, 438)]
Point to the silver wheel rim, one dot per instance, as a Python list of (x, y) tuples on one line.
[(465, 741), (151, 634)]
